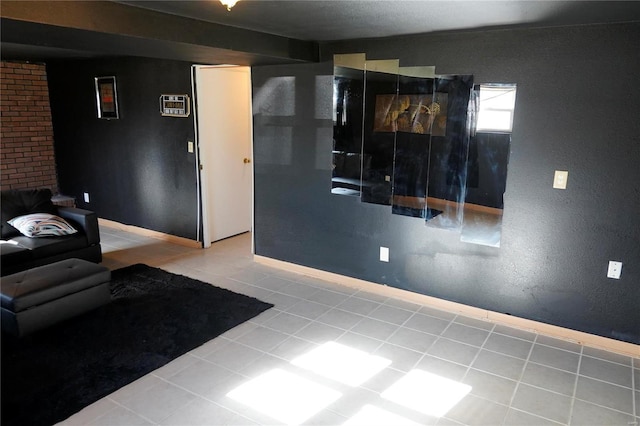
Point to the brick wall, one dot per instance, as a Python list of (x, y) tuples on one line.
[(26, 137)]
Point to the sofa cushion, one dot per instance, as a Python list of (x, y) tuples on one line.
[(42, 225), (45, 247), (20, 202), (13, 253)]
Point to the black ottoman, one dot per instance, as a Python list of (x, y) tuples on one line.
[(42, 296)]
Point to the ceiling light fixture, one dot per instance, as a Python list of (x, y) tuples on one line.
[(229, 3)]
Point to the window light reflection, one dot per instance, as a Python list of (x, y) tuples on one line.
[(374, 416), (342, 363), (426, 392), (284, 396), (291, 399)]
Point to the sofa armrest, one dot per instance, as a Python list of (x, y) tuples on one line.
[(86, 219)]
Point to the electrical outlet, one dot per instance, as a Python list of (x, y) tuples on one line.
[(560, 179), (384, 254), (86, 197), (615, 269)]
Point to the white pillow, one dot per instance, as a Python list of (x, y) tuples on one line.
[(41, 225)]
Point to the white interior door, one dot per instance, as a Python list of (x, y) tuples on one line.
[(224, 140)]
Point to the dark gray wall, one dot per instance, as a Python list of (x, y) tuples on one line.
[(136, 169), (577, 109)]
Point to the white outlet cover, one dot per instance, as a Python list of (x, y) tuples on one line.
[(560, 179), (615, 269), (384, 254), (86, 197)]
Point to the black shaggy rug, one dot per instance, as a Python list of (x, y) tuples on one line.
[(154, 317)]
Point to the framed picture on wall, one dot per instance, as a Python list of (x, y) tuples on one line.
[(107, 98)]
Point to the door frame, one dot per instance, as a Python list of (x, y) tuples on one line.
[(203, 176)]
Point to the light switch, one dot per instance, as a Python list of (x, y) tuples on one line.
[(190, 146), (560, 179), (614, 270), (384, 254)]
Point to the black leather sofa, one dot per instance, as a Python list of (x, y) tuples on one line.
[(19, 252)]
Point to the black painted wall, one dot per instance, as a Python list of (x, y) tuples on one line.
[(136, 169), (577, 109)]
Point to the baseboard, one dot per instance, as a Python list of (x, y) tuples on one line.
[(149, 233), (579, 337)]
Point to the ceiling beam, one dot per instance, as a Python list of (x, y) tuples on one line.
[(106, 28)]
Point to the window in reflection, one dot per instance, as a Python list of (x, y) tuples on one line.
[(273, 110), (275, 144), (281, 88), (488, 160), (322, 106), (323, 156), (496, 105)]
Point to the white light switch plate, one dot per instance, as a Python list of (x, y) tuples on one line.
[(560, 179), (384, 254), (615, 269)]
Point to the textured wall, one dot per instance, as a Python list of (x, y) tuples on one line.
[(26, 137), (577, 110), (136, 169)]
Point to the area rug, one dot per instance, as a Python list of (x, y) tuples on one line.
[(154, 317)]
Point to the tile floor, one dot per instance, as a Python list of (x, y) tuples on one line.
[(332, 355)]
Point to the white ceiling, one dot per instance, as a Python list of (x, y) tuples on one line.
[(352, 19)]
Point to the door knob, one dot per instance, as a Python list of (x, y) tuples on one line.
[(246, 160)]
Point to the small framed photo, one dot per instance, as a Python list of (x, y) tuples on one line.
[(107, 98)]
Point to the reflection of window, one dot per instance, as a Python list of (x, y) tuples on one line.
[(495, 113)]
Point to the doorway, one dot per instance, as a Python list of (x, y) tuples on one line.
[(224, 142)]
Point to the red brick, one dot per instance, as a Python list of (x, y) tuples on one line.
[(25, 115)]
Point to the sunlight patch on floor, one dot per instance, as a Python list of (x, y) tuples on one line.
[(374, 416), (342, 363), (284, 396), (292, 399), (426, 392)]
